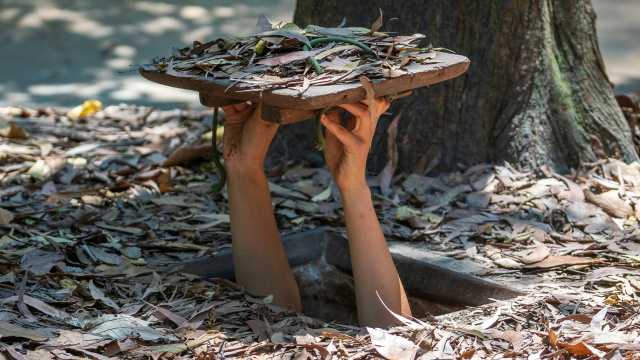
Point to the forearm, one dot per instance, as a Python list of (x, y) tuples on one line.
[(260, 262), (373, 268)]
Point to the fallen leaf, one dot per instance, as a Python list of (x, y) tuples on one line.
[(176, 319), (40, 262), (389, 169), (39, 170), (610, 202), (607, 271), (97, 294), (122, 326), (13, 132), (557, 261), (376, 25), (598, 319), (492, 320), (575, 191), (190, 345), (289, 57), (392, 347), (539, 253), (582, 349), (263, 24), (507, 263), (515, 338), (10, 330), (86, 108), (324, 195), (6, 216), (272, 36), (185, 153)]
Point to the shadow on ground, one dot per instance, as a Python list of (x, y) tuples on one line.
[(63, 52), (60, 53)]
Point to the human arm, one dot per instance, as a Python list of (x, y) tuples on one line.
[(258, 256), (346, 154)]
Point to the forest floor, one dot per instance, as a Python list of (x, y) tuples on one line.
[(94, 211)]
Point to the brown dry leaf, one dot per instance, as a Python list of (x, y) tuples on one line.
[(13, 132), (118, 346), (582, 349), (185, 153), (333, 335), (610, 203), (392, 347), (538, 254), (575, 191), (376, 25), (553, 337), (514, 337), (176, 319), (386, 174), (585, 319), (373, 107), (557, 261), (6, 216)]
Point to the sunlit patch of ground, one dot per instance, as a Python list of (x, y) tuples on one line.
[(64, 54), (60, 55)]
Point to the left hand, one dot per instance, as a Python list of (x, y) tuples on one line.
[(347, 147), (246, 136)]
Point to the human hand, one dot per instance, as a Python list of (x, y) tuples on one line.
[(347, 147), (246, 136)]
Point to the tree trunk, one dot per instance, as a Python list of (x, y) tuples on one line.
[(536, 92)]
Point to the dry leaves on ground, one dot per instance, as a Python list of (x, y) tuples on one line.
[(91, 224)]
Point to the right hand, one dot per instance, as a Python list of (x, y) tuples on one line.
[(246, 136), (347, 147)]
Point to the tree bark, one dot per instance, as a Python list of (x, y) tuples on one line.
[(536, 92)]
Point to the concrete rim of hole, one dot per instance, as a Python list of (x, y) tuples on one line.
[(322, 267)]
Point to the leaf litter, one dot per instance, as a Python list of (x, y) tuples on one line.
[(284, 56), (86, 251)]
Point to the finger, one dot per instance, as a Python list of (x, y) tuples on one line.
[(382, 104), (357, 109), (241, 106), (351, 124), (345, 136), (229, 110), (333, 117)]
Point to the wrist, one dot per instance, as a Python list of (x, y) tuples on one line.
[(355, 190), (244, 169)]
